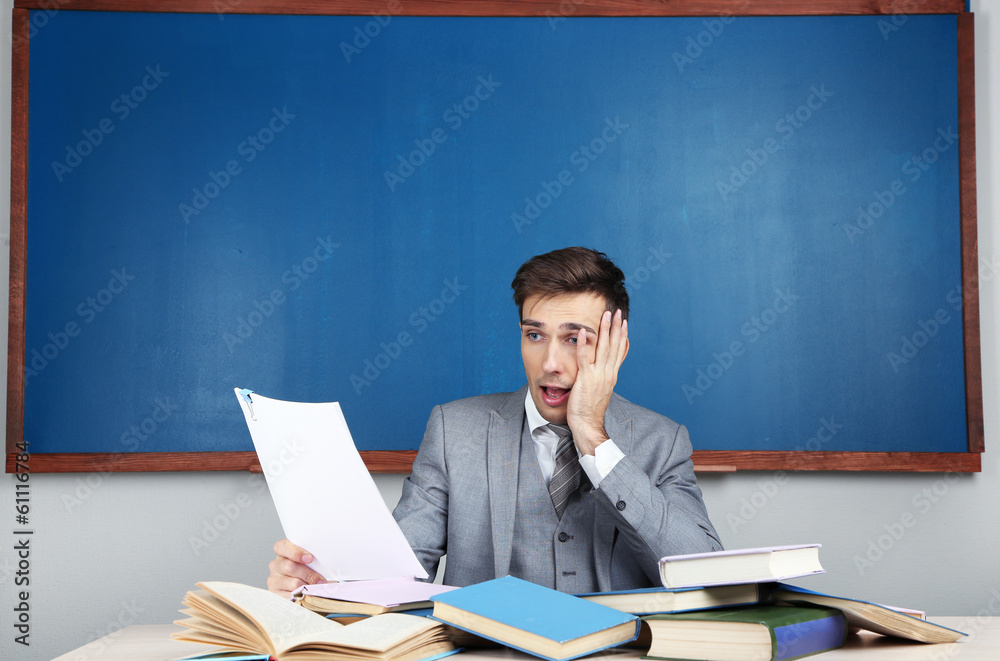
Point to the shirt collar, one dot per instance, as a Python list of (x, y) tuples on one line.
[(535, 419)]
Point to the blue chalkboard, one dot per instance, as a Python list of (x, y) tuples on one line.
[(319, 209)]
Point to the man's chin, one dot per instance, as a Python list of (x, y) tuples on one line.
[(554, 414)]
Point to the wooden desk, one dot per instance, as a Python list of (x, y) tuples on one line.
[(153, 643)]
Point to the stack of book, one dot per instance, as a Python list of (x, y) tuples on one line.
[(724, 606), (732, 605)]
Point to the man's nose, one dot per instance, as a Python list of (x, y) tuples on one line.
[(552, 363)]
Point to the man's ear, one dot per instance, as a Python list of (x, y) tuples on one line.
[(626, 349)]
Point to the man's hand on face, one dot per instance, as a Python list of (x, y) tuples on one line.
[(595, 380)]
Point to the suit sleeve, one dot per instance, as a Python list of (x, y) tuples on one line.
[(656, 502), (422, 511)]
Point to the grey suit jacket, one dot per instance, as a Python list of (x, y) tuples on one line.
[(460, 497)]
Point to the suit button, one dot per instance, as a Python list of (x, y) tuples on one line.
[(620, 505), (563, 537)]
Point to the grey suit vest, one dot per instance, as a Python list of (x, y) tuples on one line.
[(548, 551)]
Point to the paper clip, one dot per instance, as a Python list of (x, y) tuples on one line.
[(245, 394)]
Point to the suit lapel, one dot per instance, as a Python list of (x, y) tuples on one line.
[(619, 428), (503, 441)]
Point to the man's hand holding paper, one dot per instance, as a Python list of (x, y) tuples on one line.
[(290, 569)]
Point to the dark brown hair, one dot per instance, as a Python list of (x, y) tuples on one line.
[(571, 271)]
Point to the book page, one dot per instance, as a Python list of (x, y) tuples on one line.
[(875, 617), (376, 634), (277, 618), (325, 497)]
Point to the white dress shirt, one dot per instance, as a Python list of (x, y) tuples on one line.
[(597, 466)]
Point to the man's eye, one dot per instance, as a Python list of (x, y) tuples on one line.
[(573, 339), (533, 336)]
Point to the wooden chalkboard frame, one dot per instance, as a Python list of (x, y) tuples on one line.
[(401, 461)]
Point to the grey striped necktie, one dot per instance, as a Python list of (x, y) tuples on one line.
[(566, 476)]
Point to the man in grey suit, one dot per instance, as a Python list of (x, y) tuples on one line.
[(562, 483)]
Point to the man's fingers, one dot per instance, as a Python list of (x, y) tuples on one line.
[(287, 575), (613, 343), (581, 349), (283, 585), (604, 337), (288, 570), (620, 341), (286, 549)]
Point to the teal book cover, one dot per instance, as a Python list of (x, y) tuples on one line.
[(535, 619)]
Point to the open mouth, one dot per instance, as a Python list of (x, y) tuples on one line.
[(553, 396)]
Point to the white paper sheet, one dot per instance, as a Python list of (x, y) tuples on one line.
[(325, 497)]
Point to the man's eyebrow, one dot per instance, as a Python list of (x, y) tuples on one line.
[(566, 325), (572, 325)]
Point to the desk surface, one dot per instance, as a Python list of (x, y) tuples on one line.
[(153, 643)]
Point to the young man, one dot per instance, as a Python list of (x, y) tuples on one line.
[(490, 486)]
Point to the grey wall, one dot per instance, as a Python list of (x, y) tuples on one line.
[(116, 549)]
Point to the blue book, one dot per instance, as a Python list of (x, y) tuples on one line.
[(752, 633), (534, 619)]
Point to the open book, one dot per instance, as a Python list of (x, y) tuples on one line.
[(241, 618), (325, 497), (870, 616)]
